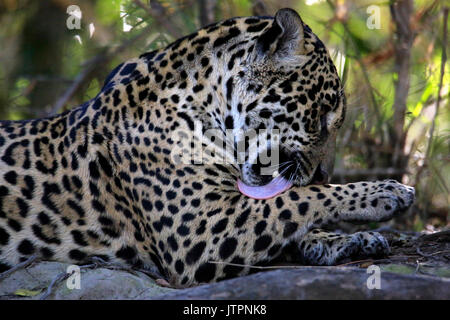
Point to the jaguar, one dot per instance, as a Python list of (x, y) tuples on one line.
[(105, 179)]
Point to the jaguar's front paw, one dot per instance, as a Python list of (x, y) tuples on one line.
[(338, 249), (379, 201), (361, 245), (404, 193)]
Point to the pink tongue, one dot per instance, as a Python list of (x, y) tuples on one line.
[(274, 188)]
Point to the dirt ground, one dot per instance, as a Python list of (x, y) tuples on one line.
[(414, 253)]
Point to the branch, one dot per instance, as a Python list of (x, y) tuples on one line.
[(350, 174), (89, 69), (207, 10), (79, 81), (438, 99), (157, 12), (21, 265), (441, 80)]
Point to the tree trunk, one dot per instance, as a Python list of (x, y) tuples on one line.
[(41, 54), (401, 12), (207, 10)]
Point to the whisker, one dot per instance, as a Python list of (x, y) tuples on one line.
[(284, 170), (294, 174)]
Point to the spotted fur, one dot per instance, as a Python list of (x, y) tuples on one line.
[(100, 179)]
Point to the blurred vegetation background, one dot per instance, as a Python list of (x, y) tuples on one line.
[(391, 55)]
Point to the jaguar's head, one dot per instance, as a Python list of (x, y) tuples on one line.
[(282, 84)]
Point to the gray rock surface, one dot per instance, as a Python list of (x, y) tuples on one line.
[(318, 283), (302, 283), (100, 283)]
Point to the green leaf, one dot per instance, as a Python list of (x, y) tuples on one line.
[(27, 293)]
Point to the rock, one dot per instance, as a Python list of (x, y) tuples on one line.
[(318, 283), (302, 283), (99, 283)]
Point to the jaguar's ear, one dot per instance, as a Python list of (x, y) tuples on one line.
[(285, 39)]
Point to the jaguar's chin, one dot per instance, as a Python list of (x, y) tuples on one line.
[(320, 176)]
